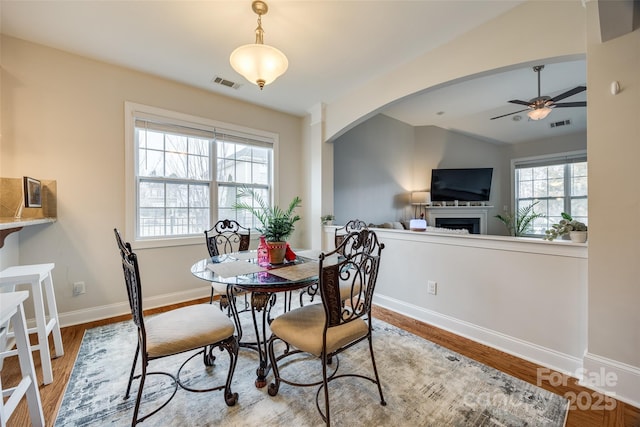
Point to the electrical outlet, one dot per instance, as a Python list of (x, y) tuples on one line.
[(79, 288), (432, 287)]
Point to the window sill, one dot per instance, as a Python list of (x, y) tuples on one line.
[(167, 242)]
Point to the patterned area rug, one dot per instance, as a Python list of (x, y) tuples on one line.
[(424, 385)]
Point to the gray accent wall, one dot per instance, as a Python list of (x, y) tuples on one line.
[(438, 148), (373, 171), (379, 162)]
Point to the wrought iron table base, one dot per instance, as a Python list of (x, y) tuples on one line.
[(261, 302)]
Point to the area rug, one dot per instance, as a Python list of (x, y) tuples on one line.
[(424, 385)]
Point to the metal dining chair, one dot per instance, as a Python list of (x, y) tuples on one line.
[(200, 326), (339, 234), (226, 236), (328, 329)]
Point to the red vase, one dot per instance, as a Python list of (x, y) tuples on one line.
[(263, 253)]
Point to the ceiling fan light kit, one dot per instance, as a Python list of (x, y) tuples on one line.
[(539, 113), (259, 63), (538, 108)]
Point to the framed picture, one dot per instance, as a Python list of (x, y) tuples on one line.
[(32, 193)]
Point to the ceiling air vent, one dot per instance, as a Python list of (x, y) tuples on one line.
[(561, 123), (224, 82)]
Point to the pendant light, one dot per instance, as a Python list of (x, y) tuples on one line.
[(259, 63)]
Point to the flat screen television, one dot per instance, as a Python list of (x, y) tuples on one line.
[(466, 185)]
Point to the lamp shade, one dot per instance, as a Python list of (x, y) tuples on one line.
[(420, 198), (261, 64), (539, 113)]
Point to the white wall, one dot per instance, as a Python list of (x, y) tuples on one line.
[(509, 293), (63, 119), (560, 144)]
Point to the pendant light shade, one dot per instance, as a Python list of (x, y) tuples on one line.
[(259, 63)]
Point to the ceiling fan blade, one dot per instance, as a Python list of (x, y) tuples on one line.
[(569, 93), (571, 104), (517, 101), (505, 115)]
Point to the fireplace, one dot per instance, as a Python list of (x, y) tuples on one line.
[(471, 224), (472, 218)]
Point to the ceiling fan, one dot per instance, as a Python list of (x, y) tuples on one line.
[(540, 107)]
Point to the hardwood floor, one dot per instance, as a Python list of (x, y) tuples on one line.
[(603, 411)]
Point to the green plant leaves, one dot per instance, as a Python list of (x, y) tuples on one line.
[(566, 225), (521, 222), (276, 224)]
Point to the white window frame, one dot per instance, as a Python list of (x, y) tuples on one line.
[(133, 110), (566, 157)]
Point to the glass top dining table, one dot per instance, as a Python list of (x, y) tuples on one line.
[(240, 272)]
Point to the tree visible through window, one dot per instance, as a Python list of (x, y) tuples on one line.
[(558, 184), (173, 182), (187, 171)]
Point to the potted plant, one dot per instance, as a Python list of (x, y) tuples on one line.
[(276, 224), (576, 230), (520, 223), (327, 219)]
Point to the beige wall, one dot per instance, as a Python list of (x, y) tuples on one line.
[(614, 196), (63, 119)]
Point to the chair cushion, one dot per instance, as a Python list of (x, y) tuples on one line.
[(302, 328), (186, 328)]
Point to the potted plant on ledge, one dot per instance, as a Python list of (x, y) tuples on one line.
[(521, 223), (277, 224), (327, 219), (576, 230)]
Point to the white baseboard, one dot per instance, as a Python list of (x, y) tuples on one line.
[(525, 350), (613, 378), (106, 311)]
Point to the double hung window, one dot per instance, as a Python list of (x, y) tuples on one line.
[(184, 173), (241, 163), (558, 184), (173, 179)]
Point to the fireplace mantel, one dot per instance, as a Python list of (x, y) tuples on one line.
[(479, 212)]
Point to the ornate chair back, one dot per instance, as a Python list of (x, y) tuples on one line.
[(326, 330), (199, 326), (356, 270), (227, 236), (134, 288), (349, 227)]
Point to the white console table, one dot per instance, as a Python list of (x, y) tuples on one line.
[(476, 212)]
